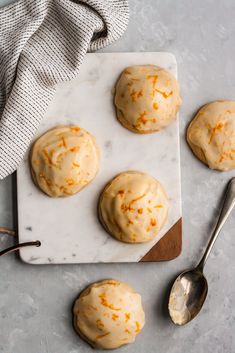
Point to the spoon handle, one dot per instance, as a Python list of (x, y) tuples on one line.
[(228, 204)]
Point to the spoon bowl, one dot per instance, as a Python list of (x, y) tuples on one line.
[(190, 288), (187, 296)]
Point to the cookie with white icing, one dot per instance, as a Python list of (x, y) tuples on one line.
[(211, 135), (64, 160), (108, 314), (133, 207), (147, 98)]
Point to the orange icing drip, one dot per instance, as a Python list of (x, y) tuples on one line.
[(127, 317)]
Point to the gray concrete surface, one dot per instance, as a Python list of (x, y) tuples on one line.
[(35, 302)]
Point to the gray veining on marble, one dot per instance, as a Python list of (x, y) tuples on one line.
[(35, 302)]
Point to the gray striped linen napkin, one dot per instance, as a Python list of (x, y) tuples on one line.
[(43, 43)]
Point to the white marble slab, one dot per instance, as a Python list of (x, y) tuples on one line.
[(68, 228)]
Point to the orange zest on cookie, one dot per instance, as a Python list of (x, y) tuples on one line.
[(64, 142), (102, 336), (76, 165), (155, 105), (115, 317), (218, 128), (137, 327), (48, 158), (75, 129), (164, 94), (99, 323), (74, 149), (153, 78), (135, 95), (128, 206), (142, 118), (153, 222), (69, 182), (104, 302)]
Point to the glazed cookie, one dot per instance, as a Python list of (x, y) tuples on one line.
[(147, 98), (108, 314), (211, 135), (64, 160), (133, 207)]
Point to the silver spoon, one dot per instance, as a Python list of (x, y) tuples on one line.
[(190, 288)]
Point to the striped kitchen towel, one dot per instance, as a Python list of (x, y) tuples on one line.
[(42, 43)]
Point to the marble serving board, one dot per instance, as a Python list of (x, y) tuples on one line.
[(68, 228)]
